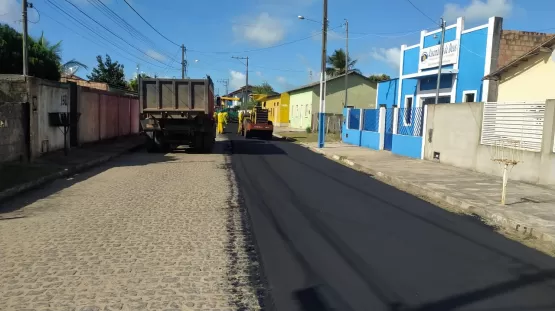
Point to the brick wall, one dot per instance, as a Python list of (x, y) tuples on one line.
[(515, 43)]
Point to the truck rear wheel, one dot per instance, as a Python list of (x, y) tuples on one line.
[(204, 142)]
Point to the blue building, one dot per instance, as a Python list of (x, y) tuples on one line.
[(469, 55)]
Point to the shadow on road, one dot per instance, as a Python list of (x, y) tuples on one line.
[(136, 158), (321, 295)]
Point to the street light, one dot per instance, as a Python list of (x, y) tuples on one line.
[(321, 112)]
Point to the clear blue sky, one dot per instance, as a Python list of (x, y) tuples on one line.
[(213, 31)]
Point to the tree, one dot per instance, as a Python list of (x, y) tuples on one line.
[(134, 84), (108, 72), (379, 78), (43, 62), (264, 88), (336, 63), (70, 67)]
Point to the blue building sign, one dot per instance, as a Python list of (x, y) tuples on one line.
[(469, 55)]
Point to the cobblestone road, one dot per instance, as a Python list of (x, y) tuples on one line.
[(145, 232)]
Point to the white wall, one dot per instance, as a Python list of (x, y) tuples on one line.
[(454, 131), (301, 109), (52, 97)]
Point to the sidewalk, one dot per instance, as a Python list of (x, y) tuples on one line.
[(283, 129), (530, 209), (19, 177)]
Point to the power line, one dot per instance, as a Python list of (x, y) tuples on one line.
[(94, 20), (78, 22), (120, 21), (422, 12), (260, 49), (149, 23)]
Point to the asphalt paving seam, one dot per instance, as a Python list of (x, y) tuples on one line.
[(257, 274)]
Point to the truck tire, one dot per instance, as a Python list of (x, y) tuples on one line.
[(204, 142), (151, 145), (268, 136)]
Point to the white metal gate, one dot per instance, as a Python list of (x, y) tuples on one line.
[(515, 121)]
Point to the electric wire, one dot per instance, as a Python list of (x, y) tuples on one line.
[(87, 27), (260, 49), (110, 31), (118, 20), (422, 12), (158, 32)]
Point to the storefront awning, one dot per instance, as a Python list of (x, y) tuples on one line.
[(428, 73)]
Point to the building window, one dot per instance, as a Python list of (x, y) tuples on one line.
[(407, 116), (469, 96)]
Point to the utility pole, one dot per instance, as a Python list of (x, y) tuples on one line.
[(321, 112), (24, 7), (183, 62), (225, 82), (346, 61), (440, 59), (246, 90)]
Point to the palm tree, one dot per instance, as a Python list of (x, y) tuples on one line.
[(336, 64), (69, 67)]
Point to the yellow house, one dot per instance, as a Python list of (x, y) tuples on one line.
[(278, 108), (530, 77)]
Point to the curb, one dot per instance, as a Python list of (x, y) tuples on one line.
[(415, 189), (13, 191), (282, 137)]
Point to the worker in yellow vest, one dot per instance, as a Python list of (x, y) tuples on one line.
[(220, 123), (225, 119), (240, 120)]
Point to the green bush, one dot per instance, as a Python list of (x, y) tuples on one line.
[(308, 129)]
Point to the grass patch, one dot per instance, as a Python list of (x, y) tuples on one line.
[(310, 137)]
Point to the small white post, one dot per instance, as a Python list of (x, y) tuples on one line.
[(381, 127), (424, 124), (505, 179), (395, 119), (361, 119)]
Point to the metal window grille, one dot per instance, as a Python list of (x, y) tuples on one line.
[(389, 119), (354, 119), (371, 120), (514, 121), (410, 121)]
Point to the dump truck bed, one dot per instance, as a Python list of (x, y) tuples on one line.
[(175, 96)]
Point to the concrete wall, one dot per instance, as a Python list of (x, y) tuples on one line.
[(386, 93), (89, 122), (362, 94), (52, 97), (529, 81), (408, 146), (13, 123), (106, 115), (454, 131), (349, 136), (370, 140), (103, 115), (13, 95)]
